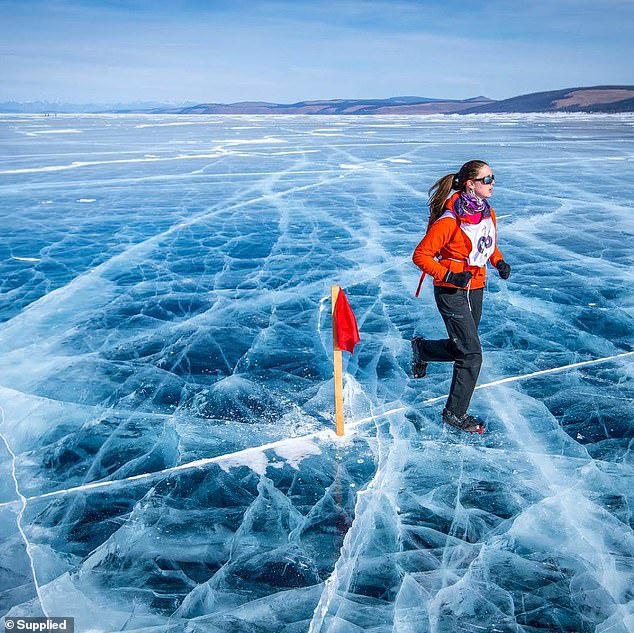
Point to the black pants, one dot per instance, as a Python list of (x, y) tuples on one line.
[(461, 311)]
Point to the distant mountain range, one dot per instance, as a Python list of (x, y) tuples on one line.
[(50, 107), (608, 99), (393, 105)]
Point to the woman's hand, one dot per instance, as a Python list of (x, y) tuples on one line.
[(458, 279), (504, 269)]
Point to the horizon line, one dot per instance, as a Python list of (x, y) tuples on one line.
[(148, 101)]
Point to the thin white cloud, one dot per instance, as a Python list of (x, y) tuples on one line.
[(288, 51)]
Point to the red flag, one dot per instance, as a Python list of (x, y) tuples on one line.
[(346, 333)]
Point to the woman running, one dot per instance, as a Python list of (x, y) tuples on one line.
[(460, 239)]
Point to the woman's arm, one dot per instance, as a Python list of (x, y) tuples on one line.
[(439, 234), (496, 256)]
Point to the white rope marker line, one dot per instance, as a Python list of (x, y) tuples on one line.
[(243, 455), (542, 372), (502, 381)]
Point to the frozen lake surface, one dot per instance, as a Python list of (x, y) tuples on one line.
[(166, 446)]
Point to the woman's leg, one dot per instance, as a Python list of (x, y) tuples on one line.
[(461, 311), (475, 301)]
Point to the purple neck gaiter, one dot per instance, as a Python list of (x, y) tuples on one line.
[(469, 204)]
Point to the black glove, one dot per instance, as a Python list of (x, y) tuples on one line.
[(458, 279), (504, 269)]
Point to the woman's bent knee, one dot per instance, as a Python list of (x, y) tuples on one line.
[(470, 359)]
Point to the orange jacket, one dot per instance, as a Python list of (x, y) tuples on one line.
[(445, 247)]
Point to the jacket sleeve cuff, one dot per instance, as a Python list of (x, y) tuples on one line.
[(496, 258)]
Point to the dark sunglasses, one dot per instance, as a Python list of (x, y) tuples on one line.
[(487, 180)]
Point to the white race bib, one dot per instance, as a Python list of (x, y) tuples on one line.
[(482, 238)]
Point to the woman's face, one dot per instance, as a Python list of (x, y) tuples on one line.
[(481, 189)]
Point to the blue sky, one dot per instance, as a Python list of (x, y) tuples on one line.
[(288, 50)]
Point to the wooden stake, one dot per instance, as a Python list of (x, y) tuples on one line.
[(338, 366)]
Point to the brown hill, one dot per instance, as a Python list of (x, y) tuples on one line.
[(587, 99), (394, 105)]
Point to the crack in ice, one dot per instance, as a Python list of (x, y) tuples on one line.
[(23, 502), (140, 248), (577, 509)]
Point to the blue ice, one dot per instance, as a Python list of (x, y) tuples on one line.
[(167, 451)]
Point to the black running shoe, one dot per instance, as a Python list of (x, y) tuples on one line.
[(419, 367), (464, 422)]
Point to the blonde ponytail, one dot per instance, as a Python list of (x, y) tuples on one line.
[(438, 193)]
